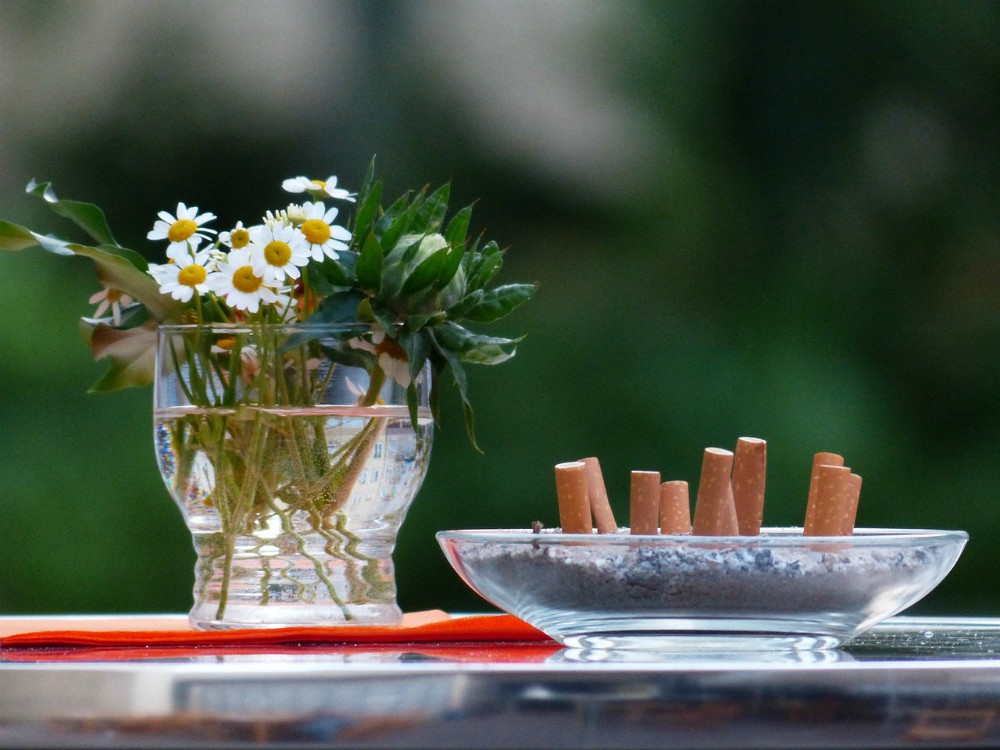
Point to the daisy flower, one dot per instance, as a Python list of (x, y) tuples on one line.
[(321, 234), (182, 280), (318, 188), (237, 238), (184, 231), (241, 287), (276, 252), (293, 215), (113, 298)]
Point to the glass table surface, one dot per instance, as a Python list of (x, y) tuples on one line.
[(910, 682)]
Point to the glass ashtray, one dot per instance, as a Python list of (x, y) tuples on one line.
[(778, 590)]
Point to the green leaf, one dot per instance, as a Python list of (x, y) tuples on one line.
[(413, 403), (341, 307), (117, 267), (496, 303), (410, 251), (87, 216), (340, 272), (417, 346), (470, 300), (130, 255), (450, 267), (367, 210), (416, 321), (458, 227), (429, 215), (349, 356), (461, 382), (393, 223), (427, 272), (14, 237), (384, 316), (472, 249), (369, 179), (484, 266), (473, 347), (369, 267), (132, 353)]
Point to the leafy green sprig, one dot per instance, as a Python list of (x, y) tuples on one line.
[(423, 281)]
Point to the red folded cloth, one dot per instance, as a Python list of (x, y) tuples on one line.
[(428, 628)]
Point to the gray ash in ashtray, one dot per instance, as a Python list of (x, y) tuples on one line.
[(705, 578)]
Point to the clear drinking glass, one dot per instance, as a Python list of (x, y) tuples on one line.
[(293, 470)]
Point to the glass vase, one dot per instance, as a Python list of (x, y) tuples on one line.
[(293, 453)]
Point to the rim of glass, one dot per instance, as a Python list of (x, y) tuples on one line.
[(780, 536), (250, 327)]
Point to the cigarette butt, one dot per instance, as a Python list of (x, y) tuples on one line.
[(820, 459), (675, 507), (598, 494), (749, 472), (644, 496), (715, 509), (833, 502), (574, 500), (854, 494)]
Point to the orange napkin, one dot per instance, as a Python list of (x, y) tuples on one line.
[(422, 627)]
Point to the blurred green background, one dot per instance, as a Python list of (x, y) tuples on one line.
[(776, 219)]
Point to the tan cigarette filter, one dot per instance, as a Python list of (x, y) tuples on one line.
[(820, 459), (644, 496), (598, 493), (574, 499), (832, 506), (749, 472), (675, 507), (854, 494), (714, 509)]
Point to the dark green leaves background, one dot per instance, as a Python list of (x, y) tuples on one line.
[(775, 219)]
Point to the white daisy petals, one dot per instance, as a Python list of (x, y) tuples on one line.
[(322, 236), (185, 230), (319, 188)]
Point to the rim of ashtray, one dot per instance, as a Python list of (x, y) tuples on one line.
[(782, 536)]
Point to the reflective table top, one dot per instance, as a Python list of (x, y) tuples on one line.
[(910, 682)]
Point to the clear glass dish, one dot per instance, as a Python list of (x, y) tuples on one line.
[(779, 590)]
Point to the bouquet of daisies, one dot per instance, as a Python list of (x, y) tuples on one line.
[(407, 271)]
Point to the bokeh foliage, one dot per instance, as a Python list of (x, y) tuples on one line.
[(808, 250)]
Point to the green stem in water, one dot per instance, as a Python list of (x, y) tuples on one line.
[(374, 386), (370, 572), (227, 567), (248, 488)]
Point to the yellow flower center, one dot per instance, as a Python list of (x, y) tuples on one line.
[(321, 184), (245, 280), (226, 342), (239, 238), (316, 231), (191, 275), (277, 253), (181, 230), (114, 295)]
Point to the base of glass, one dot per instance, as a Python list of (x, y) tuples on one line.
[(301, 615)]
